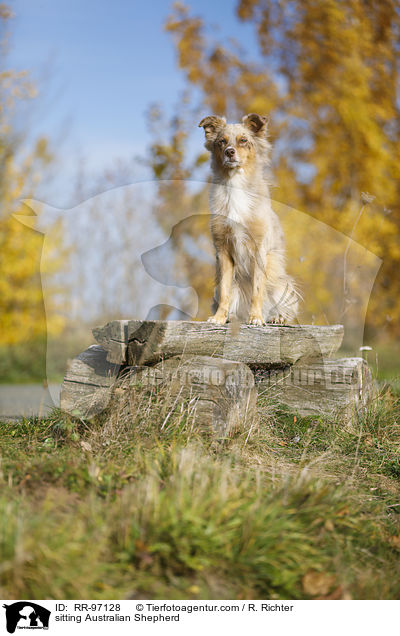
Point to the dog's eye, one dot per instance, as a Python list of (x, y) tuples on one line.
[(243, 140), (222, 142)]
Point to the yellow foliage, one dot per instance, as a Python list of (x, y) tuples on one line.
[(21, 300)]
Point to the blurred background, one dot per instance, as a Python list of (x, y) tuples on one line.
[(101, 161)]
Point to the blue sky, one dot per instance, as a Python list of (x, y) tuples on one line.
[(98, 65)]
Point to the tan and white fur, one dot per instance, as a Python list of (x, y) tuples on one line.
[(252, 283)]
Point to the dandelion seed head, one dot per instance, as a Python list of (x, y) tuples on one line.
[(366, 197)]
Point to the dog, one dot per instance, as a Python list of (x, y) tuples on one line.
[(251, 280)]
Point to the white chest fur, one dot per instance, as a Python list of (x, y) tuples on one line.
[(233, 199)]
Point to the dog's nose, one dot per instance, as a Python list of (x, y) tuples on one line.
[(229, 151)]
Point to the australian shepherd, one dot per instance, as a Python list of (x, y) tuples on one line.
[(252, 283)]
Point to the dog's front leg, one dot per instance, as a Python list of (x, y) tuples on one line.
[(258, 287), (225, 276)]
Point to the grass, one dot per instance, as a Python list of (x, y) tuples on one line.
[(25, 362), (135, 504)]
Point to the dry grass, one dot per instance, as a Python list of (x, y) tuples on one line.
[(139, 503)]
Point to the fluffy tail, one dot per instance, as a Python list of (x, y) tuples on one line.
[(281, 303)]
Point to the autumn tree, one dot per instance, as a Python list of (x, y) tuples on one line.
[(327, 75), (22, 165)]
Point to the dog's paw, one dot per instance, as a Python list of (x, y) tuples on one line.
[(278, 320), (256, 320), (218, 319)]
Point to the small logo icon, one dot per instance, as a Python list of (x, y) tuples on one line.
[(26, 615)]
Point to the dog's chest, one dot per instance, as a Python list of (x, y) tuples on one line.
[(235, 205), (232, 200)]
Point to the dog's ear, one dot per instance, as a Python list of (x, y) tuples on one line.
[(256, 123), (212, 124)]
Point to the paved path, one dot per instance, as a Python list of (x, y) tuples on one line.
[(27, 399)]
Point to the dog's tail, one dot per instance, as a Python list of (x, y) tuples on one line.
[(282, 302)]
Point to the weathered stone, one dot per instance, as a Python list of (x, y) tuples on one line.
[(145, 342), (88, 383), (206, 364), (220, 393), (318, 387)]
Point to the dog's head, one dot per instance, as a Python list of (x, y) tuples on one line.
[(235, 145)]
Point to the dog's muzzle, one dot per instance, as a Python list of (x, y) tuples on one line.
[(230, 159)]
